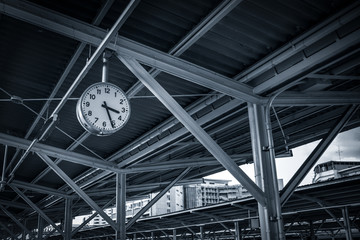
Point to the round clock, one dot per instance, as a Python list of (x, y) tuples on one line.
[(103, 109)]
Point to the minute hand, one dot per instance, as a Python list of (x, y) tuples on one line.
[(110, 108), (108, 113)]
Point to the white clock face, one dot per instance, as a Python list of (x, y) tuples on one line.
[(103, 109)]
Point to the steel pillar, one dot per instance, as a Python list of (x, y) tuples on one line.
[(40, 227), (237, 231), (68, 219), (174, 234), (201, 232), (345, 213), (121, 206), (271, 224)]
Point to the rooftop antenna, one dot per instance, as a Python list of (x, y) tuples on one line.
[(339, 152)]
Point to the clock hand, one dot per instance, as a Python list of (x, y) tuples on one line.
[(108, 113), (110, 108)]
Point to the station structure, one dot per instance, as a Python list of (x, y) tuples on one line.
[(106, 101)]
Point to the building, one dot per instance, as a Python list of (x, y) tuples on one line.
[(178, 198), (335, 169), (210, 192), (172, 201), (132, 208)]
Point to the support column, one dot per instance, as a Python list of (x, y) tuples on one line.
[(121, 206), (201, 232), (345, 213), (174, 234), (68, 219), (237, 231), (40, 227), (23, 235), (271, 224)]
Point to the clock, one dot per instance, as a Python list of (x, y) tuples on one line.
[(103, 109)]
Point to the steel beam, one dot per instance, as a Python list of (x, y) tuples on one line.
[(120, 207), (60, 153), (10, 215), (103, 44), (316, 154), (193, 127), (194, 35), (36, 208), (309, 62), (77, 189), (156, 198), (316, 98), (86, 33), (2, 226), (91, 217), (40, 189), (181, 132)]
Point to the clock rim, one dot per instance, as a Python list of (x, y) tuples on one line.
[(89, 127)]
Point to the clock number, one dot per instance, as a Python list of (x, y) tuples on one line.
[(87, 104), (113, 123), (115, 94), (120, 118), (92, 96), (123, 109), (96, 119), (89, 113), (104, 124), (121, 101), (98, 91), (107, 90)]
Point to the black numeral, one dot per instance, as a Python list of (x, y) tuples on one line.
[(87, 104), (98, 91), (96, 119), (92, 96), (123, 109), (107, 90), (104, 124), (115, 94), (113, 123), (121, 101), (89, 113)]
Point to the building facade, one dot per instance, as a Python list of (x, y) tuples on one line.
[(211, 192), (202, 193), (335, 169)]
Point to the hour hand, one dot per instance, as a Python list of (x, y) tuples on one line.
[(109, 108)]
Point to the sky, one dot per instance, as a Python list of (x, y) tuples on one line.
[(348, 143)]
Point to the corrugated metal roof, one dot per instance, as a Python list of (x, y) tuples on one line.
[(308, 48)]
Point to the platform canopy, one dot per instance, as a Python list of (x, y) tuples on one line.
[(190, 70)]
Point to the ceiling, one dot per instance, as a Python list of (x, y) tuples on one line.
[(212, 57)]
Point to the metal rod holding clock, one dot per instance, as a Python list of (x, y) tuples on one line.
[(105, 68)]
